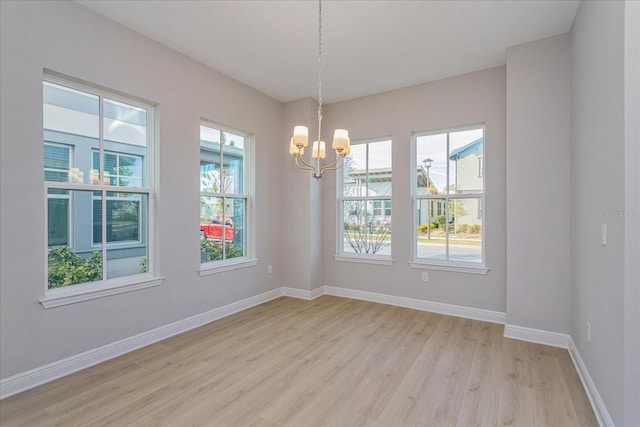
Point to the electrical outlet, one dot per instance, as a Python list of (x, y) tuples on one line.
[(269, 269), (589, 332), (425, 276)]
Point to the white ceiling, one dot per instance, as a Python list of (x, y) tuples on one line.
[(367, 46)]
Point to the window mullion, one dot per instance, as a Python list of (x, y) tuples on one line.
[(448, 201), (103, 193), (223, 179)]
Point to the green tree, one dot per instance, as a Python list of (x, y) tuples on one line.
[(69, 268), (457, 210)]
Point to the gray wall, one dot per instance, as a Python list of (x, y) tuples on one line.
[(538, 184), (72, 40), (600, 152), (464, 100)]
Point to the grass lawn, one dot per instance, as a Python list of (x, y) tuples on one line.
[(437, 236)]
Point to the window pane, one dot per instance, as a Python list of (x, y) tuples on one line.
[(210, 160), (355, 171), (125, 123), (70, 111), (72, 261), (236, 218), (379, 228), (127, 220), (354, 223), (212, 228), (379, 162), (466, 150), (431, 156), (465, 235), (70, 117), (233, 154), (431, 236), (367, 228), (124, 217)]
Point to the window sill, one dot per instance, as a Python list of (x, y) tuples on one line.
[(222, 266), (364, 259), (449, 267), (78, 293)]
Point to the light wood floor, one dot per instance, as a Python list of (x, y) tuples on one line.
[(326, 362)]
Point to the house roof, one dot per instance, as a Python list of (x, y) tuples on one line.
[(473, 148), (384, 175)]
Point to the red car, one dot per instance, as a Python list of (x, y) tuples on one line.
[(213, 229)]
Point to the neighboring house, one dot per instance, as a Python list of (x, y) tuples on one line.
[(469, 179), (434, 207), (379, 184)]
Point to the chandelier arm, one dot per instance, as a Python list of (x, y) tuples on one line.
[(305, 165), (333, 166)]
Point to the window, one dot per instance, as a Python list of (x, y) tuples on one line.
[(98, 186), (224, 196), (364, 201), (448, 179)]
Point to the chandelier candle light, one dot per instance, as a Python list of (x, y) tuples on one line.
[(300, 139)]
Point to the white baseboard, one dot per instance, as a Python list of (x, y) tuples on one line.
[(553, 339), (599, 408), (44, 374), (434, 307), (302, 294)]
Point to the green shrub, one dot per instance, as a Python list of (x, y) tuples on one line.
[(143, 265), (212, 250), (69, 268), (441, 219), (475, 228), (463, 228)]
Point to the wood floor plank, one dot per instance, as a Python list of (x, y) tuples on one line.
[(327, 362)]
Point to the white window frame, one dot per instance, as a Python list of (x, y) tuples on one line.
[(87, 291), (249, 259), (341, 255), (428, 264)]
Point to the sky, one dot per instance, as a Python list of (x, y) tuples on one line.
[(434, 147), (213, 135)]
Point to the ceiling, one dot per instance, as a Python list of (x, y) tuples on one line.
[(367, 46)]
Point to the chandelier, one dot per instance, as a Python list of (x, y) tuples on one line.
[(300, 139)]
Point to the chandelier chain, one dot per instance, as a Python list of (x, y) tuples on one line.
[(319, 63)]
